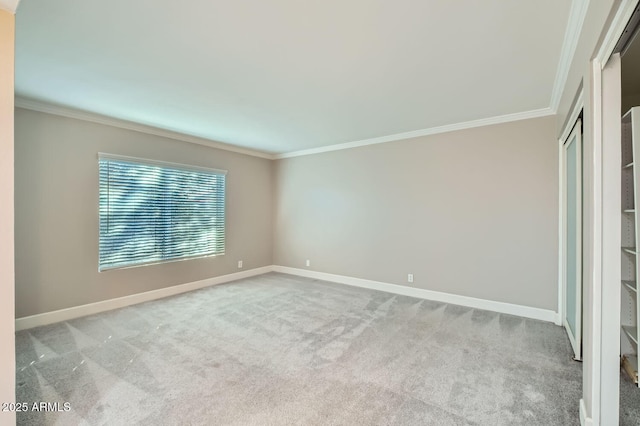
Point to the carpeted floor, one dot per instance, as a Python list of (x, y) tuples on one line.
[(629, 401), (280, 350)]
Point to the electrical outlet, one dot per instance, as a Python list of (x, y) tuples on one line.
[(410, 278), (239, 264), (308, 262)]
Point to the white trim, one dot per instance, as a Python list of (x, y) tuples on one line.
[(611, 208), (106, 305), (573, 340), (578, 106), (543, 112), (168, 164), (605, 258), (63, 111), (49, 108), (596, 232), (9, 5), (577, 14), (579, 208), (561, 226), (620, 21), (584, 420), (120, 302), (489, 305)]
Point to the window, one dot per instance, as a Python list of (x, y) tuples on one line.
[(153, 212)]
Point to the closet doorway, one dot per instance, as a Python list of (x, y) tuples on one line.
[(629, 49)]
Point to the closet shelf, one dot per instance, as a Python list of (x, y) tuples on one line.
[(630, 236), (631, 285), (631, 332)]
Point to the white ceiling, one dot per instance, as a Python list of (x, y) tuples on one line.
[(10, 5), (288, 75)]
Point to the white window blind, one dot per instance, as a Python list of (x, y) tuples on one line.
[(153, 212)]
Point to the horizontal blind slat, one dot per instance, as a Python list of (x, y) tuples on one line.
[(149, 213)]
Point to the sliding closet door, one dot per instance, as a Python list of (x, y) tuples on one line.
[(572, 238)]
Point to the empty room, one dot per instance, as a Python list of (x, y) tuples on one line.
[(284, 212)]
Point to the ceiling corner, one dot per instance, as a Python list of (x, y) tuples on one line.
[(10, 5)]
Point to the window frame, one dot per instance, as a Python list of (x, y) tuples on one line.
[(168, 165)]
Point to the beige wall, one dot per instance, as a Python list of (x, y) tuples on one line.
[(7, 341), (57, 221), (471, 212)]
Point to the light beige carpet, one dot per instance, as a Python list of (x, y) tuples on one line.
[(629, 401), (280, 350)]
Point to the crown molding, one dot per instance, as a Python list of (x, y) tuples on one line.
[(574, 114), (36, 105), (577, 15), (55, 109), (9, 5), (543, 112)]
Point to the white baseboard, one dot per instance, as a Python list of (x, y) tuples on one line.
[(584, 420), (120, 302), (489, 305), (106, 305)]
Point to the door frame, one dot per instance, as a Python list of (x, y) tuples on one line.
[(606, 256), (607, 238)]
